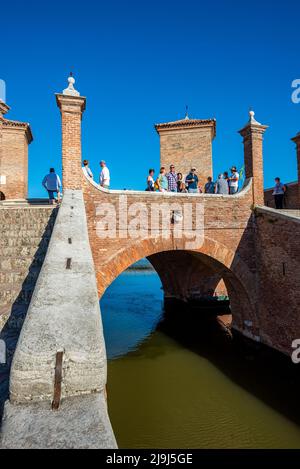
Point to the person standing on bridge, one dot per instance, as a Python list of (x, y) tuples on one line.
[(209, 187), (104, 175), (172, 179), (221, 186), (279, 191), (52, 184), (150, 181), (162, 181), (234, 181), (192, 182), (87, 169)]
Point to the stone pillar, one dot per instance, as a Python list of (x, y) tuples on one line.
[(15, 137), (71, 106), (297, 141), (252, 134)]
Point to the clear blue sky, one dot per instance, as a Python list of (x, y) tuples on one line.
[(139, 63)]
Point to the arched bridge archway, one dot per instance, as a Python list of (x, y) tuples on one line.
[(181, 271)]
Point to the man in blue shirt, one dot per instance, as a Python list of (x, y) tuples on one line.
[(52, 184), (192, 181), (209, 187)]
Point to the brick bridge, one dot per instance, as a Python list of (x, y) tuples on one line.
[(234, 244)]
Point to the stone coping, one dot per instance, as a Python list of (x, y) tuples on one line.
[(284, 214), (81, 423)]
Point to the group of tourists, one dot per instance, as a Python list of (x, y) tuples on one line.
[(104, 178), (168, 182), (52, 183), (176, 182)]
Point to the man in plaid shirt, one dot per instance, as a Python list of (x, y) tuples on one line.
[(172, 179)]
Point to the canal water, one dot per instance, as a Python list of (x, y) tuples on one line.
[(172, 385)]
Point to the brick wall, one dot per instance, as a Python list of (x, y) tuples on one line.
[(24, 238), (14, 159), (278, 261)]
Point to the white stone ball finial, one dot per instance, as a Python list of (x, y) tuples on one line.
[(252, 119), (70, 91)]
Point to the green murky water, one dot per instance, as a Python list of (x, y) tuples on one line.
[(165, 392)]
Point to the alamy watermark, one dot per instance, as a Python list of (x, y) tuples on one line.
[(296, 353), (296, 92), (141, 220), (2, 91), (2, 352)]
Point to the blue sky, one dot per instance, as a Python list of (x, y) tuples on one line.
[(139, 63)]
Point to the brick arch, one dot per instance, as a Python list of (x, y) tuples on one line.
[(237, 277), (2, 195)]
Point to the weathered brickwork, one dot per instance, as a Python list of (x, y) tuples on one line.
[(187, 143), (24, 237), (252, 134), (71, 108), (278, 268), (14, 140)]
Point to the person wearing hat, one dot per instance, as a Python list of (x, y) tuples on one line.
[(234, 181), (104, 175), (192, 181)]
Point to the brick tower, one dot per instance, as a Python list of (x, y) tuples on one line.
[(71, 106), (186, 143), (14, 140), (252, 134)]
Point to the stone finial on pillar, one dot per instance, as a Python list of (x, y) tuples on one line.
[(297, 141), (252, 134), (71, 106)]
